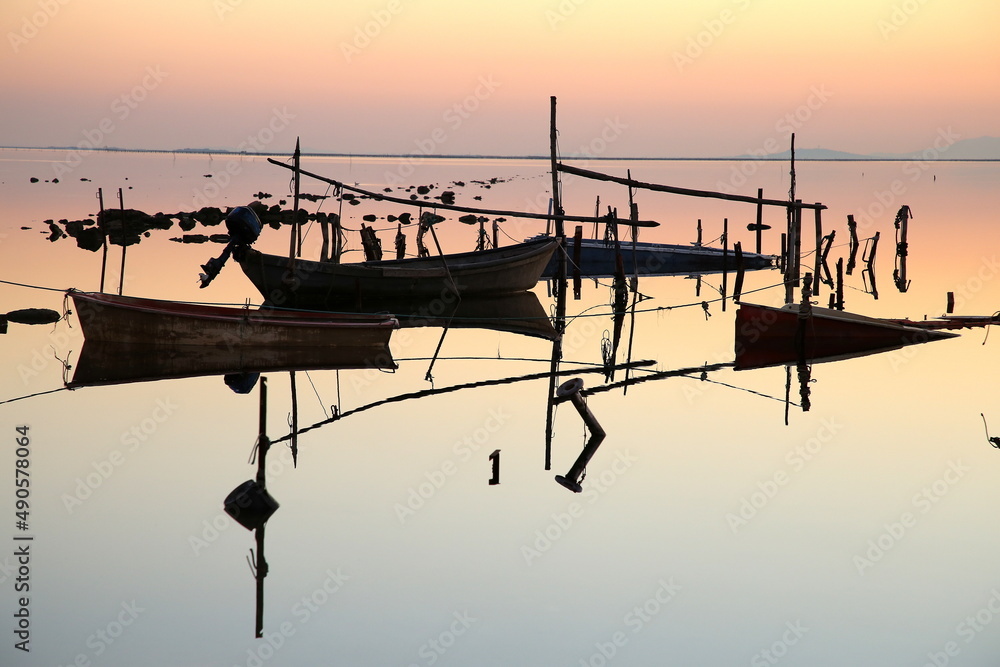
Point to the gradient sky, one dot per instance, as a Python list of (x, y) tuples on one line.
[(632, 78)]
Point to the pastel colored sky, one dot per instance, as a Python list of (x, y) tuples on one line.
[(632, 78)]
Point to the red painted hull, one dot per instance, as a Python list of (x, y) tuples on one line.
[(123, 319), (768, 336)]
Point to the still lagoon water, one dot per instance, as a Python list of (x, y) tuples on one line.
[(719, 524)]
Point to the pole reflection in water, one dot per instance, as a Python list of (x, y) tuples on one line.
[(570, 391), (251, 506), (902, 248)]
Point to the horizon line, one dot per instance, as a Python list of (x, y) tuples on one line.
[(773, 157)]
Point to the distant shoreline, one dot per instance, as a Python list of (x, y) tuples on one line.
[(421, 156)]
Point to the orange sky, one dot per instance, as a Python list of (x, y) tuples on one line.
[(676, 79)]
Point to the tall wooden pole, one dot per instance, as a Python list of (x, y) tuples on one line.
[(760, 217), (792, 260), (295, 244), (560, 323), (104, 236), (819, 252)]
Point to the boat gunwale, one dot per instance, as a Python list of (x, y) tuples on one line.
[(237, 315), (502, 256)]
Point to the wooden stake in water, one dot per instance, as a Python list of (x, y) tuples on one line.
[(760, 218), (738, 286), (819, 252), (102, 224), (295, 249), (121, 276), (725, 260), (852, 228)]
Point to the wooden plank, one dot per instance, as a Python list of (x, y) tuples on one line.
[(454, 207), (586, 173)]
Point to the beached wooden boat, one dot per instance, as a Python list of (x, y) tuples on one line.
[(125, 319), (598, 259), (108, 363), (312, 284), (768, 335)]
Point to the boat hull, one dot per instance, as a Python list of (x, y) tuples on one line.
[(769, 336), (325, 284), (598, 259), (121, 319)]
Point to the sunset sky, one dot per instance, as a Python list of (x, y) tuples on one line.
[(665, 78)]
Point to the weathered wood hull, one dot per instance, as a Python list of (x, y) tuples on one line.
[(121, 319), (326, 284), (598, 259), (769, 336)]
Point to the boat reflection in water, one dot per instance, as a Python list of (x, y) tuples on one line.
[(771, 336), (514, 312), (102, 363), (800, 336)]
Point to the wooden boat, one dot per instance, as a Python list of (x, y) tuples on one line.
[(768, 336), (109, 363), (124, 319), (598, 259), (323, 284)]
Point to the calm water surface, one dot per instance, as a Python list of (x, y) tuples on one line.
[(710, 531)]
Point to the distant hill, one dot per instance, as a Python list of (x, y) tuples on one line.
[(980, 148)]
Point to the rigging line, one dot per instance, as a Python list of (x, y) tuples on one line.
[(51, 289), (40, 393), (680, 372), (315, 391), (313, 222), (445, 390)]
